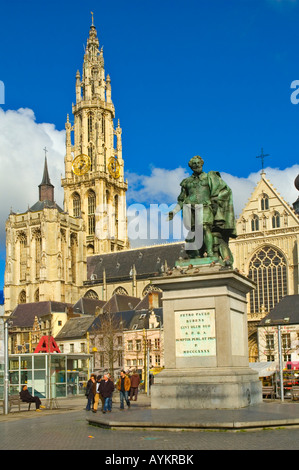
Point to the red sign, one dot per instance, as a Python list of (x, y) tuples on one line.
[(47, 344)]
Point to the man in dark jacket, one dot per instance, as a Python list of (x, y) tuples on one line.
[(28, 398), (135, 381), (90, 391), (106, 390)]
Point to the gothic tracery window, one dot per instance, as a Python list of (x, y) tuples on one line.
[(91, 212), (91, 294), (255, 225), (22, 297), (38, 254), (73, 257), (116, 215), (276, 220), (264, 202), (76, 205), (23, 256), (269, 270), (89, 127)]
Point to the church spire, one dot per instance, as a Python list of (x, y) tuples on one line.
[(46, 188)]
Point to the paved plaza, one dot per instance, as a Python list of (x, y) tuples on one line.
[(67, 428)]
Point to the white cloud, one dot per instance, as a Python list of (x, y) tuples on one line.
[(161, 186), (22, 141), (164, 185)]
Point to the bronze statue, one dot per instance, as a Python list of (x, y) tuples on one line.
[(207, 203)]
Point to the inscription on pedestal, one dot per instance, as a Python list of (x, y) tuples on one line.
[(195, 333)]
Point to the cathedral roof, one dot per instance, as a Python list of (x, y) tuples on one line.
[(88, 306), (121, 303), (148, 262), (40, 205)]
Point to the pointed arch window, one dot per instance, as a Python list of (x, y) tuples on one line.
[(268, 269), (89, 127), (36, 295), (91, 294), (255, 223), (22, 297), (264, 202), (74, 257), (63, 252), (23, 256), (76, 205), (38, 254), (276, 220), (91, 156), (91, 212), (116, 215)]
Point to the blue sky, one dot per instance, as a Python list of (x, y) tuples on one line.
[(188, 77)]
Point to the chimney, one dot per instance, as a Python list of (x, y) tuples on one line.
[(153, 300)]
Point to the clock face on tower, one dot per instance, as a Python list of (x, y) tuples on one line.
[(114, 167), (81, 164)]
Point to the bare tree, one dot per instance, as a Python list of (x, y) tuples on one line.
[(107, 338)]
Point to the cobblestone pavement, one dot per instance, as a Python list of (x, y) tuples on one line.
[(69, 430)]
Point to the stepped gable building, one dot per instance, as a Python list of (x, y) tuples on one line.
[(30, 321), (266, 250)]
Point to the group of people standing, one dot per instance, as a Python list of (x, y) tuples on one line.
[(100, 388)]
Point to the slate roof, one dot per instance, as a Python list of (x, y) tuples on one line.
[(40, 205), (75, 327), (288, 307), (24, 314), (87, 306), (148, 262), (121, 303), (141, 319)]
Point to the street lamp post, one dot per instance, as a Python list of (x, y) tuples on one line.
[(279, 323), (6, 324), (6, 373), (280, 362)]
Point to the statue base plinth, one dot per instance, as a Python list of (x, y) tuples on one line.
[(205, 341), (200, 388)]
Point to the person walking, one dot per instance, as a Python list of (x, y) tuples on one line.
[(90, 392), (124, 385), (135, 381), (98, 396), (106, 389)]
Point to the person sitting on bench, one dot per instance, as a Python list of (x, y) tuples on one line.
[(28, 398)]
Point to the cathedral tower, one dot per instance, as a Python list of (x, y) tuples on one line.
[(99, 194)]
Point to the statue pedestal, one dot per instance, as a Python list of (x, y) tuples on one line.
[(205, 342)]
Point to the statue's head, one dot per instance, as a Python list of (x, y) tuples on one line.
[(196, 162)]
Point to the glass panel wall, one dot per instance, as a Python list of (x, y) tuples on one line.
[(48, 375)]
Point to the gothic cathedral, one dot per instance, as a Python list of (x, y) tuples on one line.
[(47, 246)]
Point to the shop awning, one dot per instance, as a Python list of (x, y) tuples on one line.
[(265, 369)]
